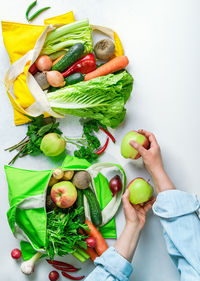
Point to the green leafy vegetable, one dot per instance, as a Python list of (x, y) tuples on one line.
[(63, 235), (37, 129), (102, 98), (89, 144), (68, 35)]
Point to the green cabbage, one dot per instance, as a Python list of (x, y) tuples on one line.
[(102, 98)]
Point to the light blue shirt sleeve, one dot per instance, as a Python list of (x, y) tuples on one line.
[(110, 266), (181, 226)]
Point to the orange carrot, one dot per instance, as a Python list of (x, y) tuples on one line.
[(92, 253), (111, 66), (101, 243), (55, 61)]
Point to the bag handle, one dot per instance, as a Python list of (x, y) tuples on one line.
[(110, 210), (41, 105)]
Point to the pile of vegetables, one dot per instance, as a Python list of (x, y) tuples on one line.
[(68, 231), (75, 84)]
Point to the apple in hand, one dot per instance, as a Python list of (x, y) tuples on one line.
[(63, 194), (127, 151), (140, 191)]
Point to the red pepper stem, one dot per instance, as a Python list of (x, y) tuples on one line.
[(60, 263), (108, 134), (72, 277), (103, 148)]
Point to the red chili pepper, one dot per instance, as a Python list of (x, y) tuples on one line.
[(68, 269), (33, 69), (72, 277), (100, 151), (83, 65), (60, 263), (108, 134)]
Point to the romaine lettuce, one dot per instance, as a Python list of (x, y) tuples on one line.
[(102, 98)]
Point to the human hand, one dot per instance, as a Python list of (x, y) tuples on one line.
[(153, 162), (152, 156), (135, 214)]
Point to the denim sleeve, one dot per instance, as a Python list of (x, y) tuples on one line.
[(110, 266), (181, 226)]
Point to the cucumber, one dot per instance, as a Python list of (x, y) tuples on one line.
[(74, 78), (95, 211), (80, 204), (71, 56), (70, 80)]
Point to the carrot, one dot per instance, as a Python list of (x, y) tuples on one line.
[(92, 253), (111, 66), (101, 246), (59, 58)]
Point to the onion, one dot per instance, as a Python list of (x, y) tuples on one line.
[(53, 275), (91, 242), (55, 78), (16, 254), (44, 63), (58, 173), (115, 185)]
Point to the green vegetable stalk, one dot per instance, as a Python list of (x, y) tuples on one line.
[(68, 35)]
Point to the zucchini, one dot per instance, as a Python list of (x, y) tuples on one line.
[(80, 204), (70, 80), (95, 211), (71, 56)]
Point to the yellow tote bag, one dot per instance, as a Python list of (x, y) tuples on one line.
[(27, 97)]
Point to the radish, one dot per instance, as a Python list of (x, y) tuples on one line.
[(53, 275), (16, 254), (91, 242)]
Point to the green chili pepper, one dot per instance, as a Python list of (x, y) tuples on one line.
[(29, 8), (37, 13)]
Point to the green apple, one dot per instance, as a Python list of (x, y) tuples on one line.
[(127, 151), (140, 191), (52, 144), (64, 194)]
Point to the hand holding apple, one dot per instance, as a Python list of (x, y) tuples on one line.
[(127, 150), (153, 162), (140, 191), (64, 194), (135, 214)]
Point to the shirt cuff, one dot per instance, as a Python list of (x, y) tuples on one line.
[(175, 203), (115, 264)]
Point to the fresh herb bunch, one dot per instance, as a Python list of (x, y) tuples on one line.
[(89, 143), (63, 235), (37, 129)]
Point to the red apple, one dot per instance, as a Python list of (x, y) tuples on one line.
[(140, 191), (63, 194), (127, 151)]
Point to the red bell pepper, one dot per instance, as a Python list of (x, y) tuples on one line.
[(83, 65)]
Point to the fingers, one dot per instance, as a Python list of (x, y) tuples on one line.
[(149, 135), (138, 147), (149, 204), (125, 198)]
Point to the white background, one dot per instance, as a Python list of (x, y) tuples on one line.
[(161, 39)]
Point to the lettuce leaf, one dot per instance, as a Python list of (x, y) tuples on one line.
[(102, 98)]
